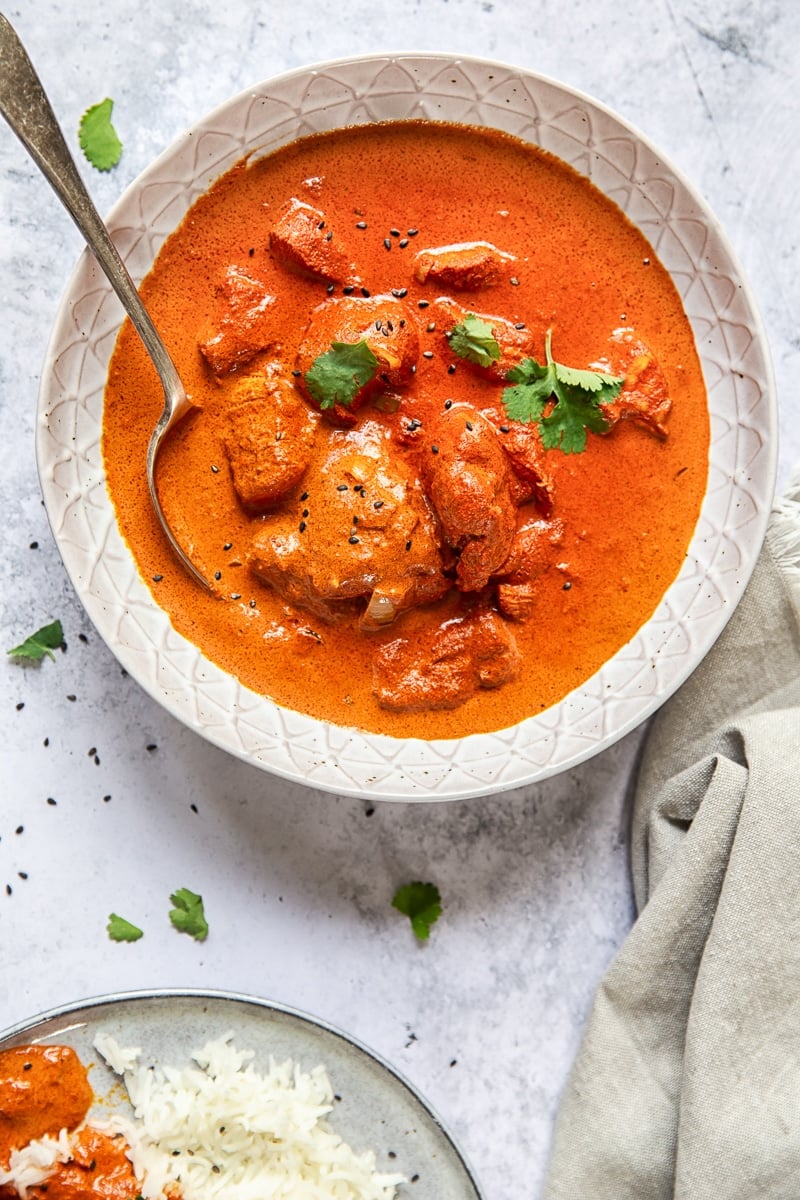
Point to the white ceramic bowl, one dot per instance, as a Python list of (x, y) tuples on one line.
[(730, 341)]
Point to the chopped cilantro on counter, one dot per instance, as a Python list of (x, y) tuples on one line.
[(98, 137), (336, 376), (474, 340), (422, 904), (44, 641), (120, 930), (188, 915), (578, 395)]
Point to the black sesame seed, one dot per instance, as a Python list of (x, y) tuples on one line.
[(520, 325), (355, 521), (9, 889), (394, 232), (434, 449), (379, 324), (469, 426), (567, 586), (330, 289), (251, 251), (83, 638), (20, 829), (52, 801), (227, 546), (403, 243), (296, 373), (408, 545), (423, 303), (236, 595), (27, 1066), (302, 526), (20, 706), (429, 328), (646, 262), (106, 799), (72, 697), (387, 243), (365, 292), (218, 574), (378, 504), (193, 807), (328, 237), (353, 540), (304, 496), (448, 403), (504, 429), (390, 326), (46, 741), (342, 487), (348, 289), (361, 224), (304, 512), (412, 232), (399, 293), (215, 469), (34, 546), (157, 578), (252, 603), (451, 370), (402, 322), (321, 225)]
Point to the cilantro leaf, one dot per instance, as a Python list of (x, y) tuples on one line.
[(474, 340), (422, 904), (120, 930), (188, 915), (563, 401), (98, 137), (44, 641), (337, 375)]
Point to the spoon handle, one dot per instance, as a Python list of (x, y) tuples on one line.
[(27, 110)]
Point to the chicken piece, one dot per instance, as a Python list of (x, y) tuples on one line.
[(468, 480), (644, 396), (465, 266), (388, 328), (363, 531), (531, 556), (445, 668), (522, 444), (301, 242), (516, 342), (270, 438), (98, 1168), (240, 326)]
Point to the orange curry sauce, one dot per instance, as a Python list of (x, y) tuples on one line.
[(627, 506), (44, 1089)]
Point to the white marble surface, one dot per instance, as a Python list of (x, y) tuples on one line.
[(107, 804)]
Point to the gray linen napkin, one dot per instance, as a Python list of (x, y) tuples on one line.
[(687, 1084)]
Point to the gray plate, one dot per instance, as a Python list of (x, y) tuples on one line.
[(379, 1110)]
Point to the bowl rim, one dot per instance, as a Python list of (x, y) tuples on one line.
[(338, 783)]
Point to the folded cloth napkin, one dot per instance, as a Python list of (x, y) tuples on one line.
[(687, 1083)]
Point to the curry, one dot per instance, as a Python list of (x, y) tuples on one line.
[(393, 544), (44, 1090)]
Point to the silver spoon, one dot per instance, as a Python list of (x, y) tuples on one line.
[(27, 110)]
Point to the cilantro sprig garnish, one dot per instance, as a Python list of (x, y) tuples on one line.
[(98, 137), (422, 904), (44, 641), (578, 396), (336, 376), (120, 930), (474, 340), (188, 915)]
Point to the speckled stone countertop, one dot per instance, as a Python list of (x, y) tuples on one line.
[(106, 803)]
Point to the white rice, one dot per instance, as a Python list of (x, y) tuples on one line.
[(220, 1129)]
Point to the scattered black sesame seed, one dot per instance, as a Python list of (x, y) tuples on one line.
[(193, 807), (391, 1154), (429, 328), (106, 798), (236, 595), (20, 706), (355, 521), (296, 373), (414, 1178), (157, 578), (520, 325), (427, 354), (514, 281), (9, 889), (83, 638), (451, 370), (646, 262), (361, 224), (252, 603), (215, 468), (365, 292), (412, 232), (353, 540), (328, 237), (304, 513), (251, 251), (304, 496), (92, 752), (228, 546), (379, 324), (408, 545), (505, 429), (35, 545), (72, 697), (279, 435), (567, 586), (218, 574), (469, 426), (399, 293), (394, 232), (403, 243), (151, 746), (321, 225), (434, 449), (20, 829), (97, 760), (46, 741), (390, 326), (302, 526), (27, 1066), (330, 289), (342, 487), (453, 1062), (378, 504), (348, 289), (368, 812), (448, 403), (52, 801), (402, 322), (423, 303)]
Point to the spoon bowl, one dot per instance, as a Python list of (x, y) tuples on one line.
[(26, 108)]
